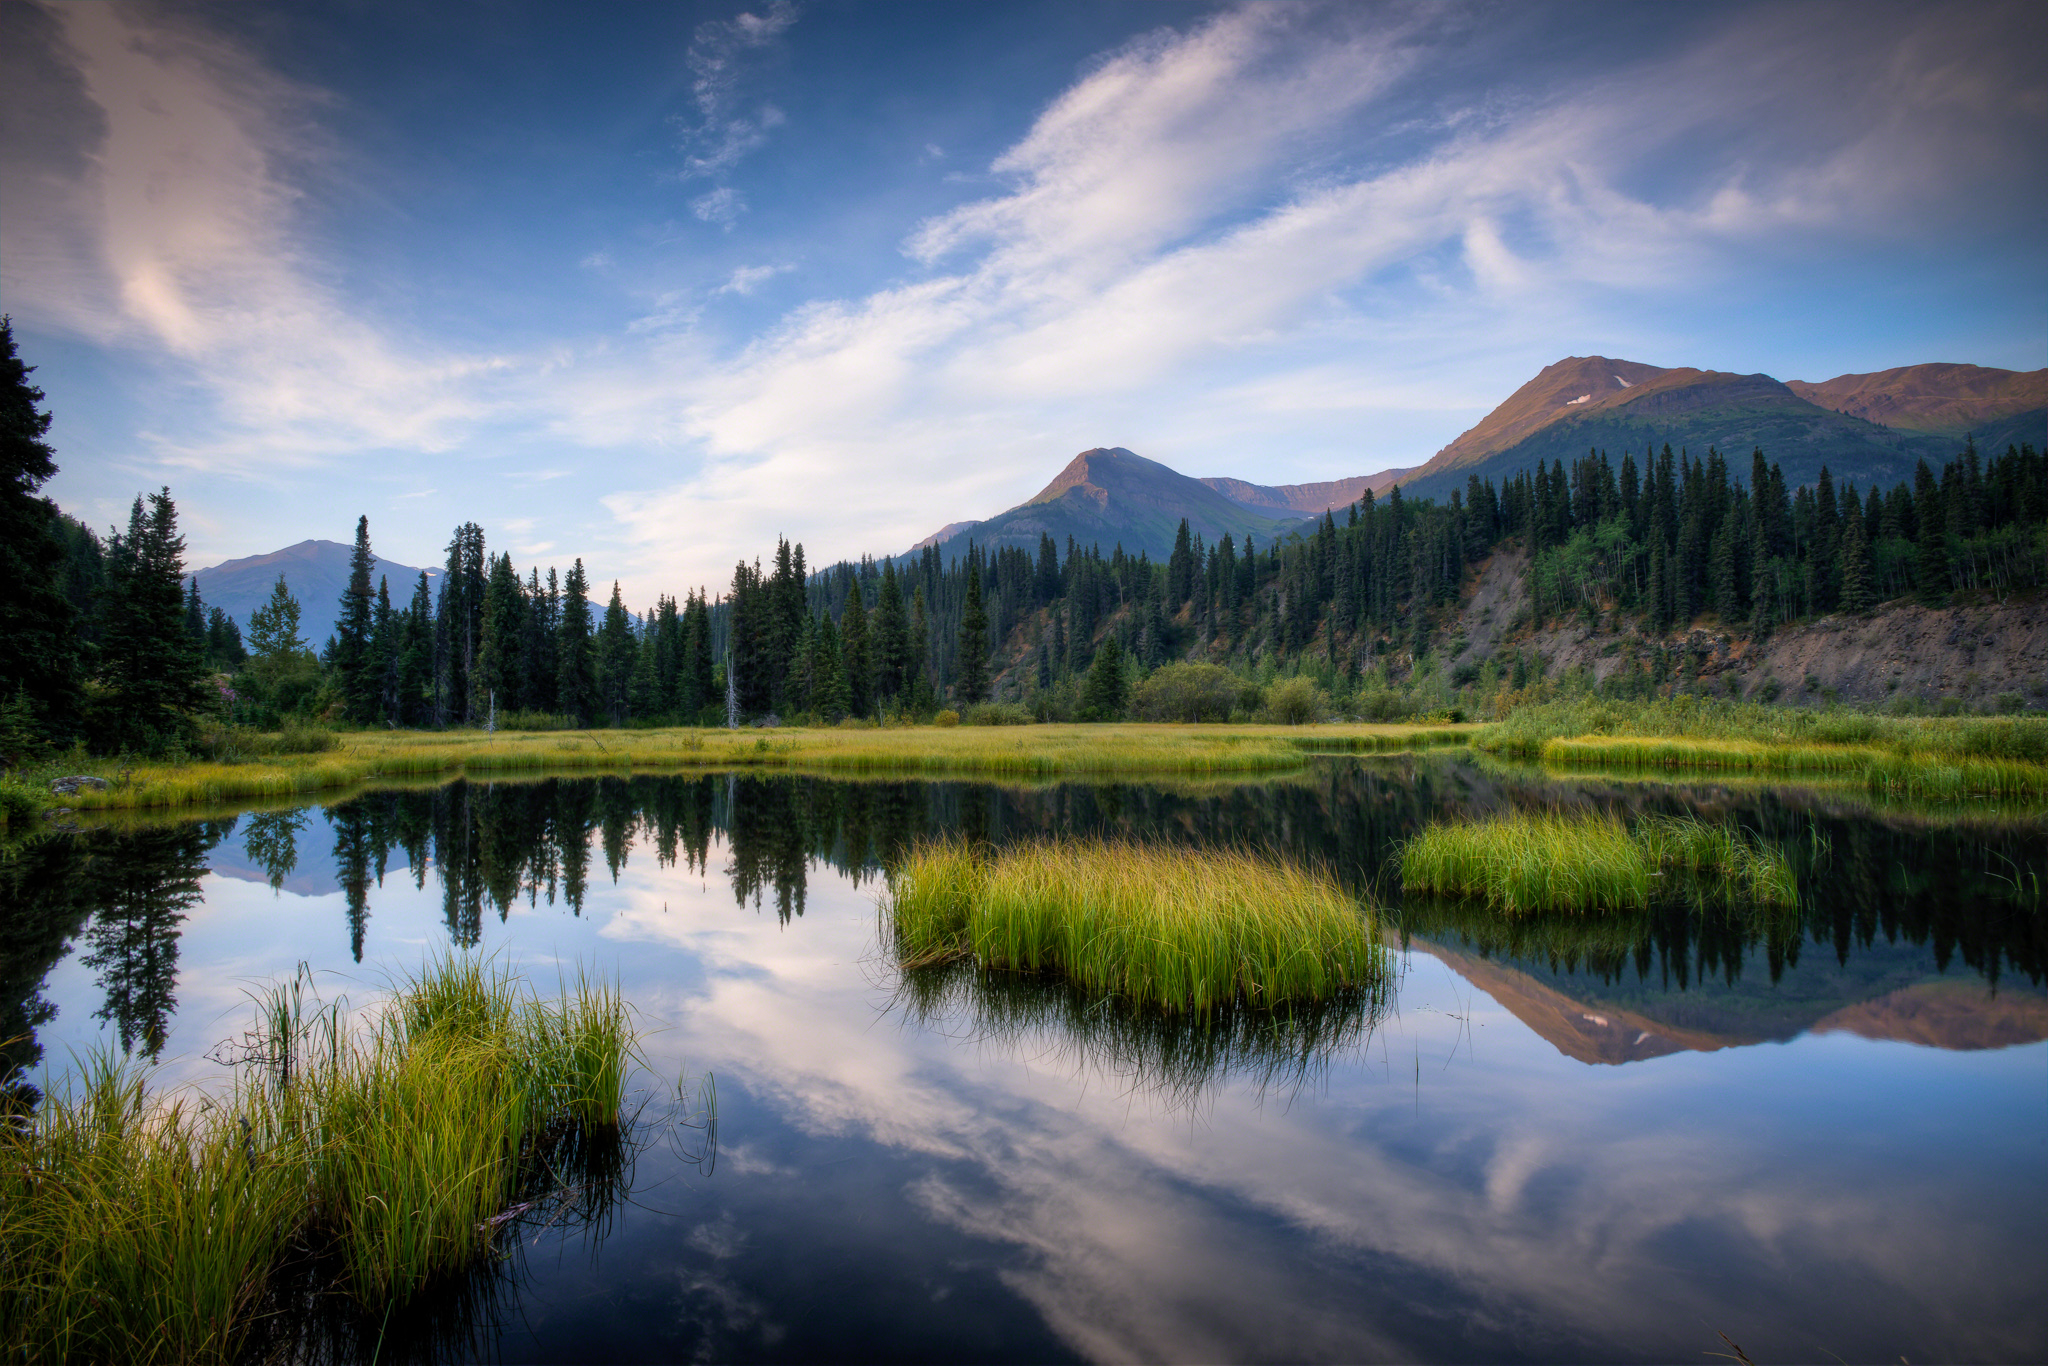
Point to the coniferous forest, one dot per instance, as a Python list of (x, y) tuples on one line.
[(106, 642)]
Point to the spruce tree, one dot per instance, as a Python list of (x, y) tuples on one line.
[(149, 662), (1857, 594), (972, 684), (857, 652), (889, 632), (354, 668), (616, 650), (1103, 692), (923, 700), (575, 684), (39, 625), (1931, 562)]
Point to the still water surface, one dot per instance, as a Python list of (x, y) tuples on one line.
[(1824, 1134)]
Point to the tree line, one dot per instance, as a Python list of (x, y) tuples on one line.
[(108, 643)]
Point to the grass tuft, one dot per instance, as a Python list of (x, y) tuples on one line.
[(135, 1227), (1182, 930), (1526, 863)]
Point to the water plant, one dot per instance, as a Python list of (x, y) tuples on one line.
[(394, 1149), (1545, 861), (1178, 929)]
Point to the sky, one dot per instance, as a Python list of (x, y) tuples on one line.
[(655, 284)]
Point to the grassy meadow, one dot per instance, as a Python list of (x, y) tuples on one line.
[(393, 1149), (1943, 758), (1533, 862), (1178, 929), (1036, 751)]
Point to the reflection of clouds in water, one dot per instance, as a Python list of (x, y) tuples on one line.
[(1506, 1197)]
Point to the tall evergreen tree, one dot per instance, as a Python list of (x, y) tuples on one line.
[(354, 669), (971, 684), (39, 626), (150, 664), (575, 680), (889, 638), (1857, 594), (857, 651), (1105, 689), (615, 654)]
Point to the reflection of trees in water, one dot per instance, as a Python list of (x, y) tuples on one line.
[(1174, 1057), (272, 842), (141, 889), (43, 904)]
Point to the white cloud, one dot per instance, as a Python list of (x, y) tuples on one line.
[(1158, 251), (721, 134), (747, 279), (187, 213)]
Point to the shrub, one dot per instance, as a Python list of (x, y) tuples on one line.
[(1295, 701), (948, 717), (996, 714), (1186, 692)]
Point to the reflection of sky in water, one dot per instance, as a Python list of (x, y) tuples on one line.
[(1451, 1187)]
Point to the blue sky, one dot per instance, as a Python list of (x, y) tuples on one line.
[(653, 284)]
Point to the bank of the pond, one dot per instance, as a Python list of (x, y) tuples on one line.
[(1179, 929), (1942, 758), (1531, 862), (370, 757), (389, 1151)]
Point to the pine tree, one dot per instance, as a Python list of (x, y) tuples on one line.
[(149, 662), (39, 625), (856, 650), (575, 684), (1104, 691), (354, 669), (829, 695), (1857, 595), (501, 641), (972, 683), (889, 630), (615, 654), (923, 700), (1931, 562)]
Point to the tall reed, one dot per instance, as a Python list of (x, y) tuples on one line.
[(135, 1227), (1182, 930), (1549, 861)]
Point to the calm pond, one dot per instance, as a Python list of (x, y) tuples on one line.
[(1823, 1133)]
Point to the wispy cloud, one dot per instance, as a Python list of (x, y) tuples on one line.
[(185, 213), (1178, 226), (725, 127), (747, 279)]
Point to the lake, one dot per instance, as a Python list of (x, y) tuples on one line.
[(1822, 1132)]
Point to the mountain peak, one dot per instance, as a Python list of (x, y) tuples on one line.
[(1096, 470)]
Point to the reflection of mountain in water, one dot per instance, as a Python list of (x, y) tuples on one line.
[(1593, 1027)]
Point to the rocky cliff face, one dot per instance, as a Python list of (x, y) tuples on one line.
[(1975, 653)]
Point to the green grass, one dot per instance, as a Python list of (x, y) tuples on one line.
[(1177, 929), (138, 1227), (1528, 863), (1941, 758), (1036, 751)]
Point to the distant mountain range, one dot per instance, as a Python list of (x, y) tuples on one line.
[(1869, 428), (316, 572), (1862, 427)]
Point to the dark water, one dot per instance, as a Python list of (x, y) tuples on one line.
[(1822, 1132)]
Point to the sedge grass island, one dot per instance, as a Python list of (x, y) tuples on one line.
[(1527, 863), (393, 1149), (1179, 929)]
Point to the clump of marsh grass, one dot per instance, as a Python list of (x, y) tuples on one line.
[(1177, 929), (394, 1150), (1527, 862)]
